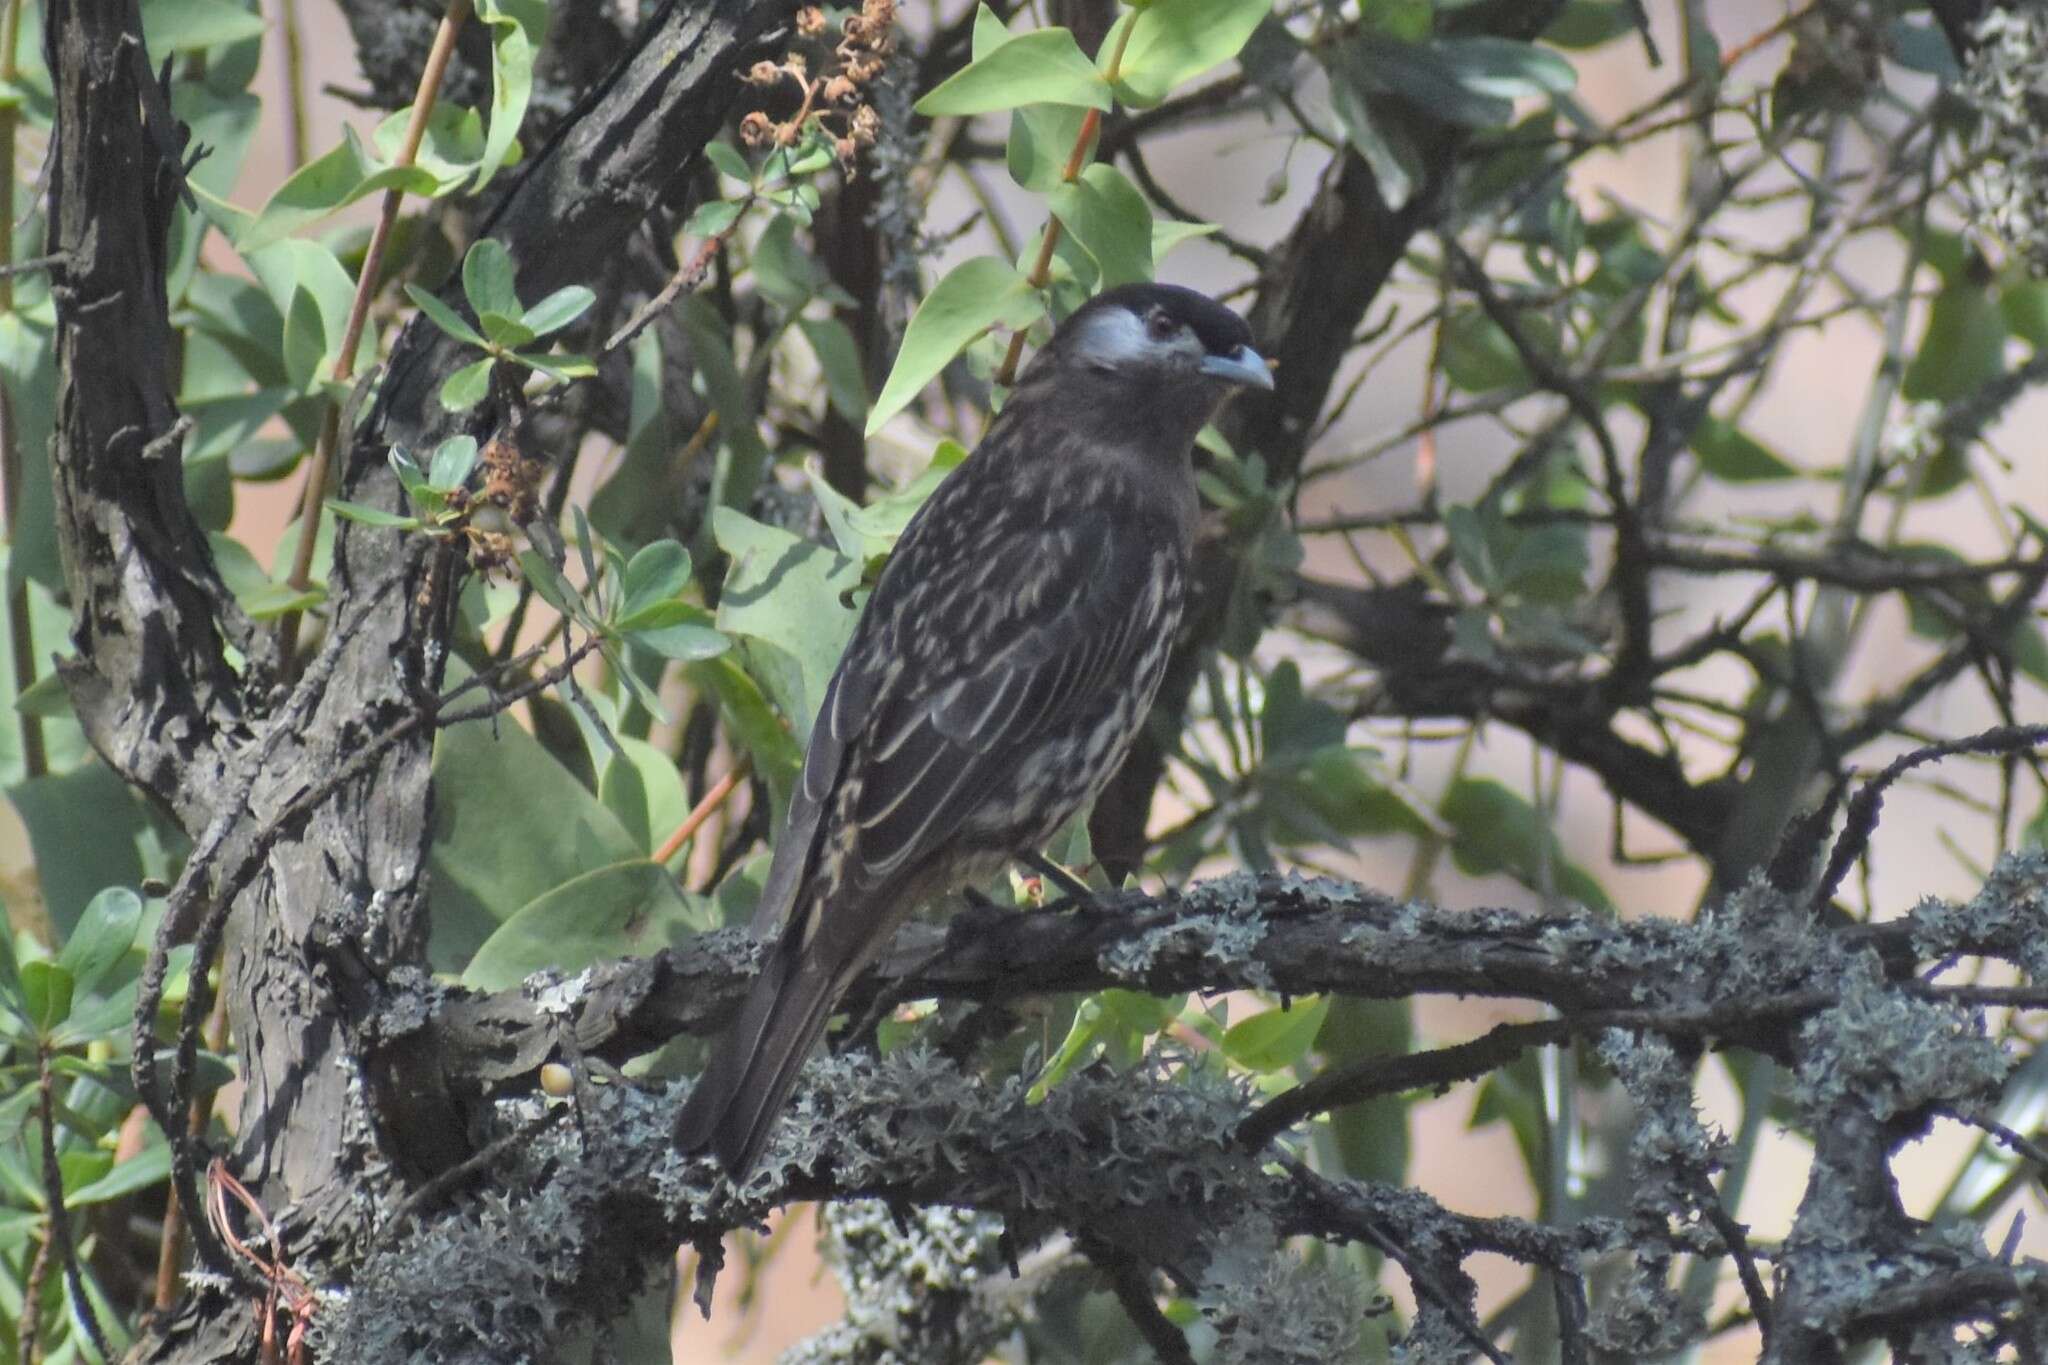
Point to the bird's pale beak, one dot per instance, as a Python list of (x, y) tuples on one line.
[(1241, 366)]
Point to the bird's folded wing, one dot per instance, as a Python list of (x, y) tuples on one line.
[(1057, 641)]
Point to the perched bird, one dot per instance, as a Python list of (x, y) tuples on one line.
[(1002, 666)]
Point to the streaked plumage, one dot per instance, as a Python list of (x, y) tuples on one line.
[(1001, 668)]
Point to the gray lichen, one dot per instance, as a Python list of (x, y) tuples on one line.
[(911, 1278), (1888, 1053), (1271, 1307), (2006, 81)]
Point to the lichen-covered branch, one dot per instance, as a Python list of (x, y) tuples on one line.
[(1171, 1168)]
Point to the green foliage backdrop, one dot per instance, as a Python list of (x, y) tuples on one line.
[(646, 504)]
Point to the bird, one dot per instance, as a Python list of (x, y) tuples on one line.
[(996, 677)]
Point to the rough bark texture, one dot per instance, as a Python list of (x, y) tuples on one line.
[(326, 895)]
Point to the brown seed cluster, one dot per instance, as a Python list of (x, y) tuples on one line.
[(508, 500), (834, 101)]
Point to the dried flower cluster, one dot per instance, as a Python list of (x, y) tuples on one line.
[(834, 102), (508, 499)]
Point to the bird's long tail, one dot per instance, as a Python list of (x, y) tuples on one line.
[(755, 1065)]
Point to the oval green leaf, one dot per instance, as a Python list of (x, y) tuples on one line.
[(976, 295), (102, 935), (1042, 67), (1176, 40)]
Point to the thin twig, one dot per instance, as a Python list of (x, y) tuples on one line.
[(1736, 1240), (59, 1218), (1861, 821), (1133, 1288), (312, 500), (713, 799), (1077, 161)]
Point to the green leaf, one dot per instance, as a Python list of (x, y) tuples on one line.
[(453, 460), (305, 341), (1110, 219), (10, 971), (989, 34), (1276, 1039), (372, 516), (1732, 455), (714, 218), (468, 386), (323, 186), (28, 358), (46, 990), (625, 796), (1042, 138), (513, 824), (658, 572), (1173, 41), (518, 28), (1334, 796), (488, 279), (1384, 142), (558, 310), (787, 601), (1477, 355), (1962, 349), (1419, 73), (782, 272), (839, 361), (1292, 724), (547, 580), (504, 332), (730, 163), (560, 366), (444, 317), (102, 935), (451, 146), (744, 711), (1371, 1137), (146, 1169), (864, 534), (86, 828), (2024, 306), (1168, 234), (1042, 67), (1583, 24), (628, 908), (189, 25), (1498, 830), (45, 699), (1116, 1019), (686, 642), (261, 595), (975, 295), (652, 801), (1504, 68)]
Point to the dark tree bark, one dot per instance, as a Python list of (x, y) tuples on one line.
[(320, 900)]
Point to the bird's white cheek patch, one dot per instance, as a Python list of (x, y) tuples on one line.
[(1113, 337)]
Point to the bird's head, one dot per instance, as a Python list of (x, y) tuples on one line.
[(1173, 341)]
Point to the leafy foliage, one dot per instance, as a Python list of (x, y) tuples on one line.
[(748, 414)]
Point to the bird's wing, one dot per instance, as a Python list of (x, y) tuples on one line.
[(1044, 630)]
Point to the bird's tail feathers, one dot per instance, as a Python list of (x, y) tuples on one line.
[(753, 1068)]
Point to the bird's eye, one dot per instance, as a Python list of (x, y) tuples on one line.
[(1161, 326)]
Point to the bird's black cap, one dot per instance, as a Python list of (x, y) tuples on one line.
[(1220, 330)]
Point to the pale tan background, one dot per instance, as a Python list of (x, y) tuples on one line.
[(1806, 415)]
